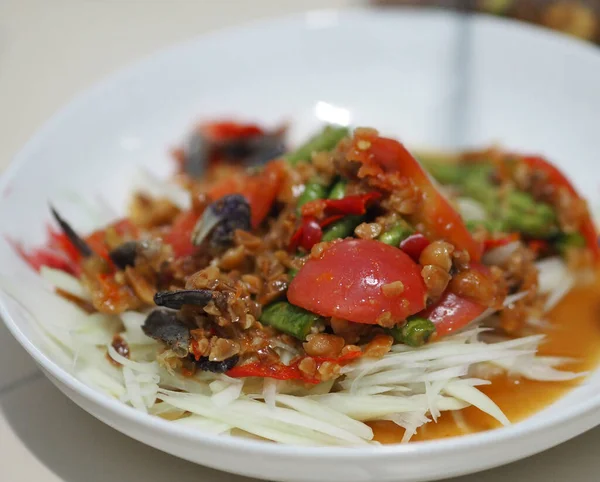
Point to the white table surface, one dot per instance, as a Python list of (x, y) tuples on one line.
[(50, 50)]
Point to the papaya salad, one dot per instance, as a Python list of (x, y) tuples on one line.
[(330, 294)]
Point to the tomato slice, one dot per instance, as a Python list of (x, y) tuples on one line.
[(346, 281), (452, 312), (259, 189), (180, 235), (557, 179), (381, 156)]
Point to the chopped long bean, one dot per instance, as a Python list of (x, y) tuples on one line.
[(338, 191), (312, 191), (415, 332), (289, 319), (342, 228), (292, 273), (522, 213), (396, 234), (345, 226), (571, 240), (325, 140), (511, 211)]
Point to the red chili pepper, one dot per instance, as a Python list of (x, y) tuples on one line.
[(557, 179), (341, 360), (539, 246), (503, 241), (227, 130), (37, 258), (96, 240), (111, 289), (330, 220), (279, 371), (60, 253), (60, 242), (310, 231), (349, 205), (307, 235), (414, 245)]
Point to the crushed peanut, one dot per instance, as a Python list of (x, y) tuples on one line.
[(391, 290)]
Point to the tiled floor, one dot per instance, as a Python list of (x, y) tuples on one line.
[(69, 44)]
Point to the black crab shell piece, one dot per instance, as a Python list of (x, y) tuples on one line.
[(221, 219), (251, 151), (163, 325), (81, 246), (124, 255), (206, 365), (176, 299)]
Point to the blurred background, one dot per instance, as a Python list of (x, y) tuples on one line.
[(52, 49), (580, 18)]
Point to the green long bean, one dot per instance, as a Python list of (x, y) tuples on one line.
[(396, 234), (325, 140), (290, 319)]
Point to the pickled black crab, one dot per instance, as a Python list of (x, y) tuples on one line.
[(220, 220), (82, 247), (163, 325), (231, 143), (177, 299), (125, 254)]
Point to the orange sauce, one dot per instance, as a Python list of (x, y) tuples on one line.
[(574, 332)]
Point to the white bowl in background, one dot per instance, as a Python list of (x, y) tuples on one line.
[(529, 89)]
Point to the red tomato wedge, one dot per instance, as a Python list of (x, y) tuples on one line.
[(180, 236), (557, 179), (346, 281), (259, 189), (452, 312), (380, 156)]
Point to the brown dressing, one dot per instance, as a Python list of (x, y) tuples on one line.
[(574, 332)]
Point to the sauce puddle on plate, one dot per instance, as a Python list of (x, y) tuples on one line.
[(574, 332)]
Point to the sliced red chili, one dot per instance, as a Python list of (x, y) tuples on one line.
[(60, 242), (307, 235), (37, 258), (503, 241), (539, 246), (279, 371), (310, 231), (227, 130), (349, 205)]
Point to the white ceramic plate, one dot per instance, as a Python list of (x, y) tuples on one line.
[(530, 90)]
